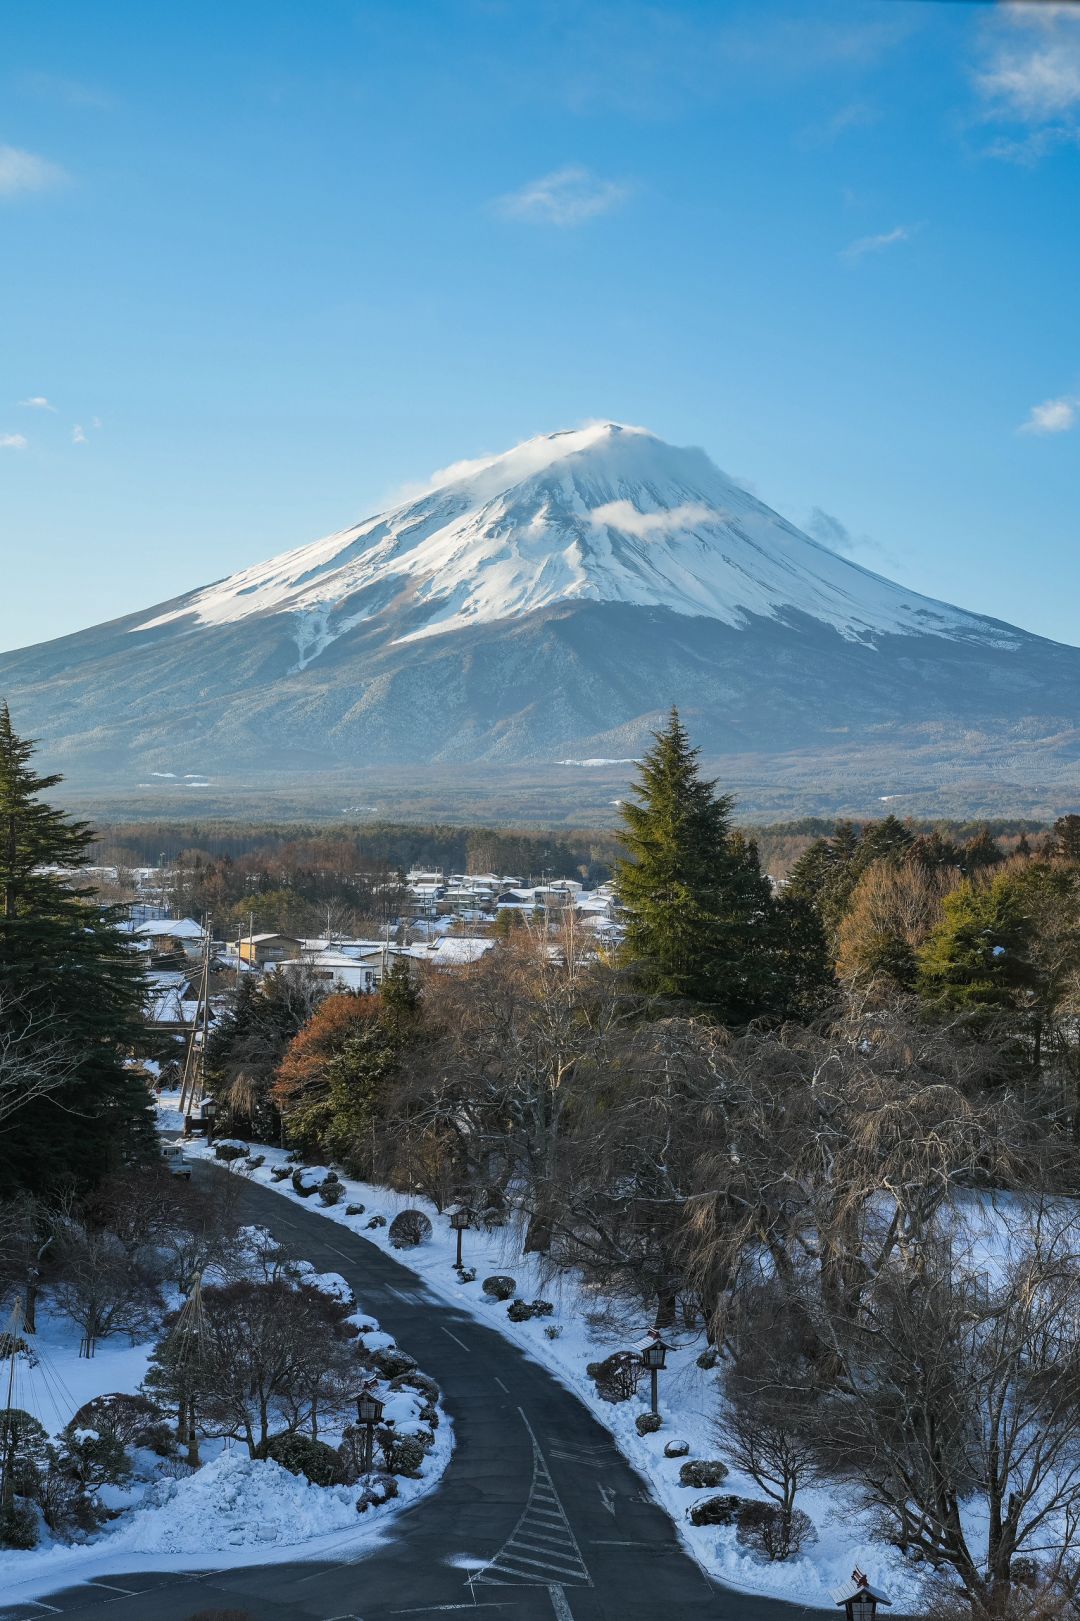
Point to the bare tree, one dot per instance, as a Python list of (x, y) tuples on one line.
[(35, 1062), (101, 1287)]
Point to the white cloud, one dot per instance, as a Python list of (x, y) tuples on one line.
[(624, 516), (78, 437), (1031, 77), (567, 196), (877, 244), (829, 531), (12, 441), (25, 171), (38, 402), (1053, 416)]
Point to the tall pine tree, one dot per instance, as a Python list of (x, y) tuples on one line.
[(698, 907), (68, 978)]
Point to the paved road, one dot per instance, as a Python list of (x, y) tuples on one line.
[(536, 1491)]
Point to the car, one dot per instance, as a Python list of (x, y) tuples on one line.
[(176, 1160)]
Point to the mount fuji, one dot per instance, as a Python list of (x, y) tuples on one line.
[(550, 604)]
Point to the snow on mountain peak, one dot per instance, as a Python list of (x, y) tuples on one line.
[(603, 513)]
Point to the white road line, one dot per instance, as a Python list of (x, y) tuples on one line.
[(129, 1592), (559, 1603), (607, 1497), (344, 1257), (552, 1565), (500, 1384), (454, 1337)]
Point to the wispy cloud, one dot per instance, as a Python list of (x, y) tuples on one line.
[(829, 531), (78, 437), (567, 196), (69, 92), (1053, 416), (1030, 76), (13, 441), (38, 402), (853, 115), (878, 243), (25, 171), (625, 516)]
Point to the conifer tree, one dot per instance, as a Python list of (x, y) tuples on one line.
[(979, 958), (698, 906), (67, 976)]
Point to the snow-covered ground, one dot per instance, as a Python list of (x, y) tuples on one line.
[(232, 1510), (689, 1395)]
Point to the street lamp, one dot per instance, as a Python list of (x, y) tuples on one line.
[(858, 1600), (208, 1110), (460, 1218), (369, 1412), (652, 1354)]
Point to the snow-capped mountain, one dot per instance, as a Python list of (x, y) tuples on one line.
[(606, 513), (548, 605)]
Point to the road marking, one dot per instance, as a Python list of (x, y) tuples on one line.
[(129, 1592), (559, 1603), (456, 1341), (542, 1549), (607, 1497), (500, 1384), (344, 1257), (432, 1609)]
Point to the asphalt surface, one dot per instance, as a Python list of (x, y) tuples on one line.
[(536, 1494)]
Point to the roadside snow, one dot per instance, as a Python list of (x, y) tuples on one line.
[(565, 1342)]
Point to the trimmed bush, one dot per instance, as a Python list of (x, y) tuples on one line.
[(279, 1173), (307, 1179), (552, 1331), (253, 1161), (392, 1363), (616, 1378), (129, 1417), (765, 1529), (717, 1510), (708, 1358), (703, 1472), (422, 1383), (331, 1193), (376, 1221), (676, 1448), (647, 1423), (467, 1275), (408, 1229), (519, 1311), (227, 1150), (18, 1526), (402, 1454), (355, 1209), (300, 1455), (499, 1287)]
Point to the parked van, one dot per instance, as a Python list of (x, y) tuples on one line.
[(175, 1159)]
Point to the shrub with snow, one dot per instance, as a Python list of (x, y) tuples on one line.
[(717, 1510), (355, 1209), (308, 1179), (676, 1448), (300, 1455), (402, 1454), (408, 1229), (379, 1489), (648, 1423), (703, 1472), (228, 1148), (766, 1530), (331, 1193), (499, 1287), (519, 1311), (376, 1221)]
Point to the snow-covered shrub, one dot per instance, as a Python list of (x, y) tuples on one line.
[(408, 1229), (331, 1193), (708, 1358), (676, 1448), (307, 1179), (552, 1331), (94, 1458), (519, 1311), (717, 1510), (392, 1363), (767, 1530), (253, 1161), (647, 1423), (278, 1173), (355, 1209), (228, 1148), (378, 1489), (422, 1383), (499, 1287), (376, 1221), (402, 1454), (703, 1472), (300, 1455), (616, 1377), (18, 1526), (467, 1275)]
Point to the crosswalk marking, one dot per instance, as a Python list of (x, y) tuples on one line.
[(542, 1549)]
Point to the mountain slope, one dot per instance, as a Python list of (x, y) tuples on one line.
[(544, 605)]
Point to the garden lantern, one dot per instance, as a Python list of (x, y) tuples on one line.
[(369, 1412), (208, 1111), (460, 1218), (858, 1599), (652, 1354)]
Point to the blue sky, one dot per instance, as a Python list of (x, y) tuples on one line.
[(260, 266)]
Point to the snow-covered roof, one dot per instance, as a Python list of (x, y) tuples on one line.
[(177, 928)]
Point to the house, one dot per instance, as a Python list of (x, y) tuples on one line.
[(264, 950), (164, 936), (341, 969)]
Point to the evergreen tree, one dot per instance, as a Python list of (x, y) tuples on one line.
[(67, 975), (979, 957), (697, 903), (1067, 838)]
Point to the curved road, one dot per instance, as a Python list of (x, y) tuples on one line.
[(536, 1488)]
